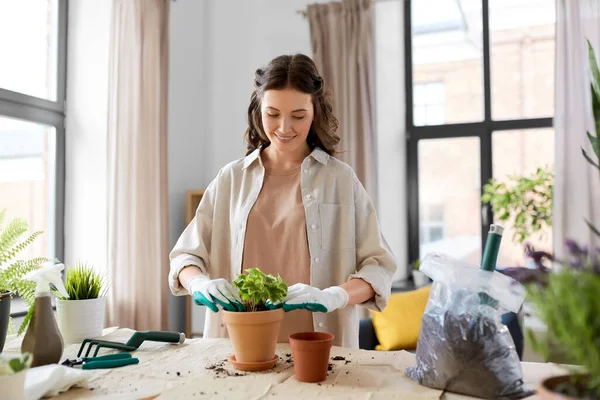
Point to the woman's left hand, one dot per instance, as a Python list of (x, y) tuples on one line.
[(306, 297)]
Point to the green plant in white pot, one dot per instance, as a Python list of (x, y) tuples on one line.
[(12, 376), (81, 316)]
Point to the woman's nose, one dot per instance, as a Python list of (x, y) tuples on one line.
[(285, 125)]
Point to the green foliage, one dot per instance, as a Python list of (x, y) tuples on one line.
[(15, 365), (416, 265), (594, 140), (524, 201), (83, 283), (569, 306), (257, 287), (12, 272)]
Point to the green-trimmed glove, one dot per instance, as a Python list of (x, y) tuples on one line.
[(306, 297), (215, 294)]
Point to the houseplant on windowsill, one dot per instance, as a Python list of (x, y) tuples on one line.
[(419, 278), (12, 376), (81, 315), (255, 330), (13, 271)]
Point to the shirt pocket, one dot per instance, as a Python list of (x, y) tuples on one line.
[(337, 227)]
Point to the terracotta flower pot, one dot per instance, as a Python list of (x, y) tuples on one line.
[(311, 355), (546, 388), (253, 334)]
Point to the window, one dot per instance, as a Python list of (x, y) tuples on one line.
[(429, 103), (432, 224), (32, 113), (480, 100)]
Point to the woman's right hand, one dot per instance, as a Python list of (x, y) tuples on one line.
[(215, 294)]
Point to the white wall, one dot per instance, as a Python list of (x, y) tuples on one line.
[(215, 47), (86, 132)]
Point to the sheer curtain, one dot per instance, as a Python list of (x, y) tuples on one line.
[(577, 183), (137, 131)]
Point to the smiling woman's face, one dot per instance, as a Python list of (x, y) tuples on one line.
[(287, 116)]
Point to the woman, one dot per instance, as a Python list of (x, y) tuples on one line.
[(289, 208)]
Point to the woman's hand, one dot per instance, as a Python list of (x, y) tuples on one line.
[(214, 294), (305, 297)]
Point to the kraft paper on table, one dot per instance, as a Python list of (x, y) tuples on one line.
[(170, 371)]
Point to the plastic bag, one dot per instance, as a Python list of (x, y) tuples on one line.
[(463, 346)]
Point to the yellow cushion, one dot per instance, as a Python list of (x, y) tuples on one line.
[(397, 326)]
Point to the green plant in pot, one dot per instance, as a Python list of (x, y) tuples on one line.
[(81, 315), (419, 278), (566, 299), (13, 271), (255, 330), (12, 375)]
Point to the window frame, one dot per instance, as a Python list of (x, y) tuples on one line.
[(482, 129), (52, 113)]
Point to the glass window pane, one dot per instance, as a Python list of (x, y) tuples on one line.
[(449, 198), (29, 64), (522, 48), (447, 48), (27, 180), (520, 153)]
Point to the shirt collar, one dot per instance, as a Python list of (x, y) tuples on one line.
[(317, 154)]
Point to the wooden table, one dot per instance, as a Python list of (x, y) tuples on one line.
[(196, 369)]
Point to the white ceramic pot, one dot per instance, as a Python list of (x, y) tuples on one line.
[(419, 278), (80, 319), (13, 386)]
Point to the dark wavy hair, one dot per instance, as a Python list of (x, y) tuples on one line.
[(298, 72)]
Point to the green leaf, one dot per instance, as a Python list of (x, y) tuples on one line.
[(594, 68), (589, 159), (593, 228), (595, 144)]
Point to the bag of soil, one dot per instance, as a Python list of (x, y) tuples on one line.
[(463, 346)]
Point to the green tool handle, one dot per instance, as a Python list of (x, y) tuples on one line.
[(109, 363), (116, 356), (155, 336), (492, 247)]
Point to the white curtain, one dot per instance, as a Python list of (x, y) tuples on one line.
[(137, 123), (577, 183)]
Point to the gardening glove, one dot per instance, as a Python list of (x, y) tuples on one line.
[(215, 294), (306, 297)]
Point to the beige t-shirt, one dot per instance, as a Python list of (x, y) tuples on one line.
[(276, 240)]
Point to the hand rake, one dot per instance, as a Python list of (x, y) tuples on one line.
[(133, 343)]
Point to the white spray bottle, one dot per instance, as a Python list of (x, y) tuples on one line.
[(43, 339)]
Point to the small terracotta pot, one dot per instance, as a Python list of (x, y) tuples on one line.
[(311, 355), (253, 334), (546, 388)]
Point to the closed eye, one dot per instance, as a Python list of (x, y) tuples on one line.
[(302, 117), (273, 115)]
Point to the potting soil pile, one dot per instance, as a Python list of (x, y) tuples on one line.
[(463, 346)]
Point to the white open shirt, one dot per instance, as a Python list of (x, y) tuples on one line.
[(344, 239)]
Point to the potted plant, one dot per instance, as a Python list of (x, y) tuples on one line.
[(419, 278), (566, 297), (12, 272), (255, 330), (12, 376), (81, 315)]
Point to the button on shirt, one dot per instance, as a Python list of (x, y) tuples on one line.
[(346, 242)]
